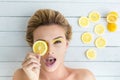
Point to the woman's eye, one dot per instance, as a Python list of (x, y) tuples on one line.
[(56, 42)]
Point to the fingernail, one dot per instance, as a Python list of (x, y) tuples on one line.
[(38, 56)]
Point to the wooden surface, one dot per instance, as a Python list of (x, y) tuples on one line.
[(14, 15)]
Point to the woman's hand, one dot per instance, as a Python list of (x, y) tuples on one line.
[(31, 66)]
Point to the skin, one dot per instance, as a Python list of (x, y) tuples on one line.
[(34, 68)]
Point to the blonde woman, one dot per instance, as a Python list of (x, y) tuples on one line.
[(52, 27)]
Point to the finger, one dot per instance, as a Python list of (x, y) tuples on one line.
[(29, 61), (36, 68), (31, 57), (29, 54), (38, 57), (32, 66)]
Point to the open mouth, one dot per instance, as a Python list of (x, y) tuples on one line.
[(50, 61)]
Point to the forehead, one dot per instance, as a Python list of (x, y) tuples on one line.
[(48, 32)]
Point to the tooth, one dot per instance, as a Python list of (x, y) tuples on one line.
[(50, 58)]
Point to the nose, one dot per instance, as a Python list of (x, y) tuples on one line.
[(50, 49)]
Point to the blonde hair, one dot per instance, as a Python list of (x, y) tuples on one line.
[(47, 17)]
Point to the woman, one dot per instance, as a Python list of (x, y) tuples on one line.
[(49, 25)]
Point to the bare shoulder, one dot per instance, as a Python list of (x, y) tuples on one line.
[(20, 75), (83, 74)]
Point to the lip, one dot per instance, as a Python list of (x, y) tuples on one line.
[(50, 61)]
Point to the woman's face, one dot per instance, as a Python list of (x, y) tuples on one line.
[(54, 35)]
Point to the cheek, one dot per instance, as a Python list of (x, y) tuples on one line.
[(61, 54), (61, 47), (60, 51)]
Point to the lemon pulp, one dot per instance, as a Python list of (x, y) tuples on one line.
[(86, 37), (91, 54), (94, 16), (100, 42), (99, 29), (83, 21)]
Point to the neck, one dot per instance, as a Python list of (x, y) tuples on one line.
[(59, 74)]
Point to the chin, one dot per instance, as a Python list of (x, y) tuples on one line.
[(51, 68)]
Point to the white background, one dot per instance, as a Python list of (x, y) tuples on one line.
[(14, 15)]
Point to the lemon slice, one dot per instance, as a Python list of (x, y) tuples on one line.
[(114, 13), (40, 47), (112, 18), (86, 37), (100, 42), (99, 29), (91, 54), (94, 16), (112, 27), (83, 21)]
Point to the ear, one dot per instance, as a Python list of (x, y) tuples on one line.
[(67, 44)]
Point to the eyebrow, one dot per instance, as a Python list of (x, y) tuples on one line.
[(40, 40), (58, 37)]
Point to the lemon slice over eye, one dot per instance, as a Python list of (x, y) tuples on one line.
[(83, 21), (94, 16), (86, 37), (100, 42), (99, 29), (40, 47), (58, 39), (91, 54), (112, 18), (112, 27)]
